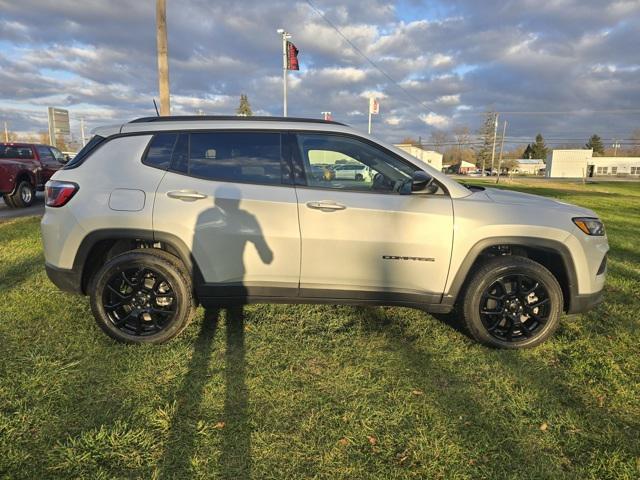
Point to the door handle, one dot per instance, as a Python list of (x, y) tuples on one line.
[(326, 206), (186, 195)]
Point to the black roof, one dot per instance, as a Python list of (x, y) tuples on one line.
[(196, 118)]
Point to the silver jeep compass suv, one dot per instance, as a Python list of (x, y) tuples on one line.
[(157, 215)]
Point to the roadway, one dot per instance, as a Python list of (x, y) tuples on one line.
[(36, 209)]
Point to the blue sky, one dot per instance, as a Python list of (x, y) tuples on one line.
[(454, 60)]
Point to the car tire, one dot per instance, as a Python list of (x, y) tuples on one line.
[(24, 196), (511, 302), (8, 201), (142, 296)]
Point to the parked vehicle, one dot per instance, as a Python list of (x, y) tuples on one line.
[(25, 168), (225, 210), (351, 172)]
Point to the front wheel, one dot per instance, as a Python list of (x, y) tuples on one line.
[(512, 302), (142, 296)]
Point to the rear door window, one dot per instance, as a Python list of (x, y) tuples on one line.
[(242, 157)]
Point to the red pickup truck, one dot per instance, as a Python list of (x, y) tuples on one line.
[(25, 168)]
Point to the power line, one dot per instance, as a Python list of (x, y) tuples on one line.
[(426, 106), (363, 55)]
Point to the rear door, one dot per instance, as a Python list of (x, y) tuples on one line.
[(360, 238), (229, 197)]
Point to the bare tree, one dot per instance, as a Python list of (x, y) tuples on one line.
[(438, 140), (462, 136)]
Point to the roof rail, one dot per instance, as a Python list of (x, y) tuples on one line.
[(196, 118)]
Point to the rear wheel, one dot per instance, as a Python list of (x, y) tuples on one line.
[(8, 201), (142, 296), (512, 302), (24, 196)]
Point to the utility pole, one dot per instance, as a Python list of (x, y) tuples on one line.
[(163, 60), (616, 146), (504, 132), (285, 36), (82, 131), (6, 133), (493, 150)]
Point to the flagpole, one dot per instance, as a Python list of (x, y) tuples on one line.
[(285, 36), (369, 120)]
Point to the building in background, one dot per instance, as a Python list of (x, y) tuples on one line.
[(582, 163), (529, 166), (428, 156), (568, 163), (613, 166)]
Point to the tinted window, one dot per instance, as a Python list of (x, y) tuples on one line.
[(336, 161), (45, 154), (15, 151), (180, 159), (160, 150), (236, 157), (84, 152)]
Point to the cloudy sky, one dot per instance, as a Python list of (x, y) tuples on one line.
[(449, 62)]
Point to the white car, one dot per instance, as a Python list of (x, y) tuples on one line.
[(352, 172), (157, 215)]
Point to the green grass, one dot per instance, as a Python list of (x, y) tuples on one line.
[(276, 391)]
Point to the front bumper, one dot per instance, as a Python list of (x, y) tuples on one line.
[(68, 280)]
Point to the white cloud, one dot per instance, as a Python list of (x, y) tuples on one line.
[(393, 121), (448, 99), (434, 120)]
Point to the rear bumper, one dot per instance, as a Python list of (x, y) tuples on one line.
[(68, 280), (584, 303)]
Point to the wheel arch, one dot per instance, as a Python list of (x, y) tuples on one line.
[(552, 254), (100, 245)]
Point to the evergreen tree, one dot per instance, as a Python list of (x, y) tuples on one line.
[(528, 152), (483, 152), (244, 109), (539, 149), (595, 142)]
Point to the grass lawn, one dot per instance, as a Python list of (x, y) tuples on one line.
[(277, 391)]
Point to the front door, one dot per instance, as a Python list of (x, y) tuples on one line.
[(226, 198), (361, 238)]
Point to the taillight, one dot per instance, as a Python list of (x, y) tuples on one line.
[(58, 193)]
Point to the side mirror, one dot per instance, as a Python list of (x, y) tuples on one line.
[(420, 180)]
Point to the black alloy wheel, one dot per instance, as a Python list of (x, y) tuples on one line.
[(511, 302), (515, 307), (142, 296), (139, 301)]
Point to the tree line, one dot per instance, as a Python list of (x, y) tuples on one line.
[(461, 144)]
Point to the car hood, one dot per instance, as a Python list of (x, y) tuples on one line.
[(518, 198)]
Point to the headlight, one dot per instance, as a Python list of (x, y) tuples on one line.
[(590, 226)]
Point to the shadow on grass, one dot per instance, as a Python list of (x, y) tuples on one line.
[(175, 462), (235, 458), (235, 452)]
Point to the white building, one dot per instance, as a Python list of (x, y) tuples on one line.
[(613, 166), (568, 163), (428, 156), (529, 166), (582, 163)]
